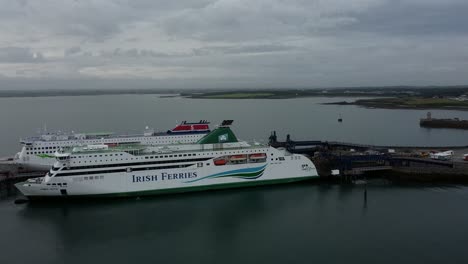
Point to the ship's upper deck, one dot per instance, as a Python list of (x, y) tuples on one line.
[(183, 128), (220, 138)]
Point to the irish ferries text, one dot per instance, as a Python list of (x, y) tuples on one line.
[(164, 176)]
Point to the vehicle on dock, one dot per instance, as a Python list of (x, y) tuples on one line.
[(446, 155), (217, 160), (37, 153), (465, 157)]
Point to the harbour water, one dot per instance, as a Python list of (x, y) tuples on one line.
[(304, 118), (283, 224), (299, 223)]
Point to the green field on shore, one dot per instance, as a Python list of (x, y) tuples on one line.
[(413, 102), (239, 96)]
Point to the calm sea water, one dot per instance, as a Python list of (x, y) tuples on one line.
[(302, 223), (305, 223)]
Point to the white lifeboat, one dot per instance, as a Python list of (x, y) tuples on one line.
[(96, 147)]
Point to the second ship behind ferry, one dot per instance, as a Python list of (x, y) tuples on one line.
[(218, 160), (37, 153)]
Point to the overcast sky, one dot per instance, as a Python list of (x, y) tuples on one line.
[(232, 43)]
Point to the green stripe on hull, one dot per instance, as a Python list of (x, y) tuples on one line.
[(245, 175), (182, 190)]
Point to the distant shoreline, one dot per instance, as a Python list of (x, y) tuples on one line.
[(375, 92), (419, 103), (53, 93)]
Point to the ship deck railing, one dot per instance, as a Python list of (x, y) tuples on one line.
[(72, 136), (142, 150)]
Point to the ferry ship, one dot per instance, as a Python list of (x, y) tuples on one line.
[(37, 153), (218, 160)]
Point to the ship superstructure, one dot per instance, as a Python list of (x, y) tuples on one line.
[(218, 160), (37, 153)]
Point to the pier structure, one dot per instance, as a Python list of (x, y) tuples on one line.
[(349, 161), (9, 170)]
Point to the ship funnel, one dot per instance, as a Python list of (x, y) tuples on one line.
[(227, 122)]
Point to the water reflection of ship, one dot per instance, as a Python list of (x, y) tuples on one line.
[(164, 218)]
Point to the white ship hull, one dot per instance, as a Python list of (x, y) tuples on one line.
[(42, 160), (149, 182), (218, 160)]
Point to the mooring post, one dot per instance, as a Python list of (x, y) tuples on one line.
[(365, 193)]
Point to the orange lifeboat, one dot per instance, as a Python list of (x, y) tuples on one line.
[(238, 158), (220, 162), (257, 156)]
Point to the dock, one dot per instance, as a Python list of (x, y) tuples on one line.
[(351, 161), (10, 171)]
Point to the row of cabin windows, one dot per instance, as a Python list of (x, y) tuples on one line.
[(173, 156), (93, 178), (148, 157), (170, 156), (91, 161), (152, 157), (63, 174), (94, 141), (163, 156), (236, 152), (105, 155), (41, 148), (184, 160), (121, 140), (40, 152), (131, 164), (59, 184)]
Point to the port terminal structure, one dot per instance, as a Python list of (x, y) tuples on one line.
[(349, 161)]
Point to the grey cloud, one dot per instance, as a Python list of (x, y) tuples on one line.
[(19, 55), (133, 53), (72, 51), (251, 20), (414, 18), (241, 49), (94, 20), (246, 42)]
